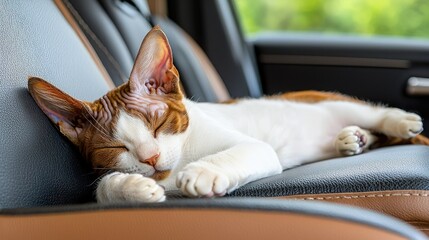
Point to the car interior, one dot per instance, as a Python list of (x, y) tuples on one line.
[(87, 47)]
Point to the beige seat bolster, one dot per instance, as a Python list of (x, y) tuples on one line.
[(411, 206)]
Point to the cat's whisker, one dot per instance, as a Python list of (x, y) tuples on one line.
[(100, 177), (89, 174), (96, 180), (101, 126), (102, 132), (98, 168)]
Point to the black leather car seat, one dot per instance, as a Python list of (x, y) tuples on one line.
[(379, 174)]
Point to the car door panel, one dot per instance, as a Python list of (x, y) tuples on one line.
[(374, 69)]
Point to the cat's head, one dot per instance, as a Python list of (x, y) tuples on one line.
[(137, 127)]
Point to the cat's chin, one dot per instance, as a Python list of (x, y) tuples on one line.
[(146, 172), (154, 173), (160, 175)]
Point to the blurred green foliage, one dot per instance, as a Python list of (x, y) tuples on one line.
[(363, 17)]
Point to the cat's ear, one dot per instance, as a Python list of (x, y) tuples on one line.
[(153, 71), (61, 109)]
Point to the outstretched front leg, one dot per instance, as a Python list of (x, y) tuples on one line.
[(223, 160), (119, 187), (227, 170)]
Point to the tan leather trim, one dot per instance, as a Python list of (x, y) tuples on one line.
[(69, 17), (184, 224), (411, 206), (158, 7)]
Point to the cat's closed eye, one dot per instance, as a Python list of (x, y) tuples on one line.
[(106, 157), (123, 147)]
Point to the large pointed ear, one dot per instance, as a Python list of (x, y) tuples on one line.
[(153, 71), (61, 109)]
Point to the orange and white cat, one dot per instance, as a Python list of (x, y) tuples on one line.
[(152, 139)]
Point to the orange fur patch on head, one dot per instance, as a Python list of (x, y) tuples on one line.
[(174, 121), (96, 141), (153, 94)]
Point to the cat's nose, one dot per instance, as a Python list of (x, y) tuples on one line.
[(151, 160)]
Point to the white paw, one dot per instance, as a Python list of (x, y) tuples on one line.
[(197, 180), (403, 124), (410, 125), (351, 141), (132, 187)]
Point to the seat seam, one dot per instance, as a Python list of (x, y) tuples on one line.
[(366, 196), (97, 41), (66, 12)]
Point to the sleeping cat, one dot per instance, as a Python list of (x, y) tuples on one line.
[(147, 138)]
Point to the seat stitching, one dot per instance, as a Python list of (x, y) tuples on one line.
[(366, 196)]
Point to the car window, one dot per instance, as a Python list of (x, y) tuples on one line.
[(353, 17)]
